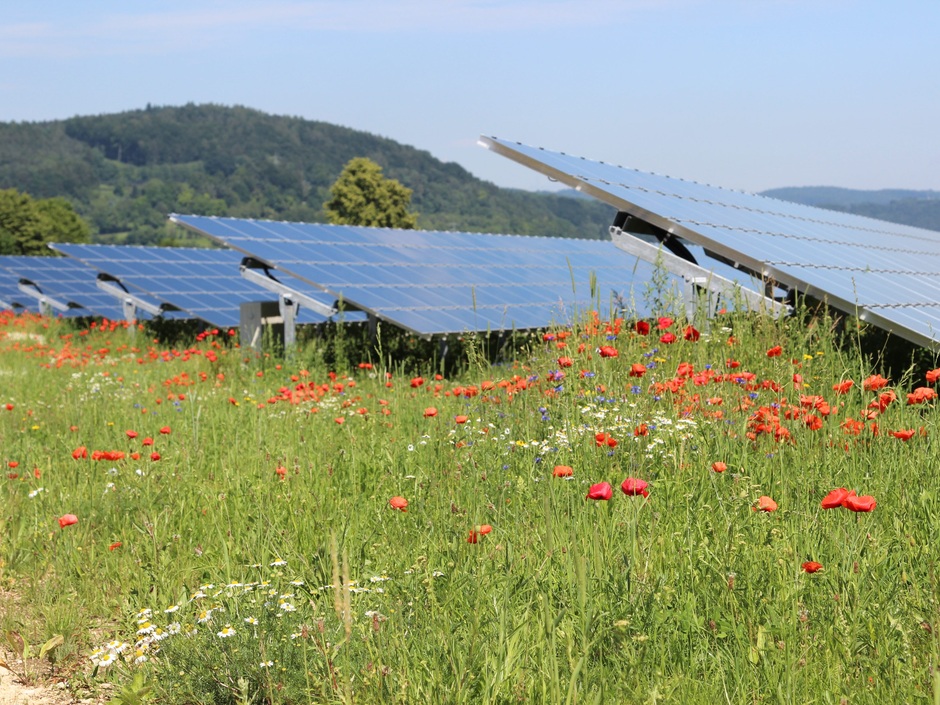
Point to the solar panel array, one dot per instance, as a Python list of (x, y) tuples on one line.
[(67, 281), (10, 295), (887, 274), (434, 282), (205, 283)]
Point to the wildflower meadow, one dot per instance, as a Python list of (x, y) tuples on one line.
[(736, 510)]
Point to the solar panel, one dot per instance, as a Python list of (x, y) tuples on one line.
[(205, 283), (445, 282), (66, 281), (885, 273), (11, 298)]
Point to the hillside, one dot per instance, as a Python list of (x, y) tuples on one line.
[(909, 207), (125, 172)]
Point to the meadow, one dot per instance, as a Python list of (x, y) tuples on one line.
[(632, 511)]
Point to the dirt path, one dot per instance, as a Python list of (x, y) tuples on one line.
[(12, 693)]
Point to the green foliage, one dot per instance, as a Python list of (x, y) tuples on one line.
[(125, 172), (259, 559), (363, 196), (137, 692), (26, 225)]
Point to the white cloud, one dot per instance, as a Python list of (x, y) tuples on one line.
[(121, 31)]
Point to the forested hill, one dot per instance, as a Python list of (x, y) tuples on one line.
[(125, 172), (909, 207)]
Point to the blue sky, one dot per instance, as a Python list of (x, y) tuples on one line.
[(749, 94)]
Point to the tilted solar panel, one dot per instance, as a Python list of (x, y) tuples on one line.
[(205, 283), (887, 274), (67, 281), (11, 298), (445, 282)]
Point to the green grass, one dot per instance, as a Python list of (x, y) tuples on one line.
[(689, 595)]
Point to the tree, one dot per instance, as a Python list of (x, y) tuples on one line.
[(26, 225), (363, 196)]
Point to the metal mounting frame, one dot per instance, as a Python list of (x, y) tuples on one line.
[(47, 304), (129, 301), (695, 276)]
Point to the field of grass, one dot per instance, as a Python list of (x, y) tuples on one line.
[(228, 529)]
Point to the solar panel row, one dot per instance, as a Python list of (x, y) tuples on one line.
[(65, 280), (204, 283), (886, 273), (434, 282), (426, 282)]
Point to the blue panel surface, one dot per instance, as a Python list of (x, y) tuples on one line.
[(66, 280), (11, 298), (205, 283), (444, 282), (885, 273)]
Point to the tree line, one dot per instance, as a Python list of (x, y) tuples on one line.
[(124, 173)]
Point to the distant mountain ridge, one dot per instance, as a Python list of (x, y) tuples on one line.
[(125, 172), (906, 206), (833, 195)]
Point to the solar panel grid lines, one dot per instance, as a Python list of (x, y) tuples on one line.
[(204, 283), (881, 271), (433, 282), (66, 281)]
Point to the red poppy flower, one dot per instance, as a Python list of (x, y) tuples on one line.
[(811, 567), (921, 395), (604, 439), (634, 487), (154, 456), (565, 361), (67, 520), (641, 430), (562, 471), (904, 435), (148, 441), (461, 419), (637, 369), (9, 407), (719, 466), (691, 334), (932, 376), (280, 471), (399, 503), (165, 430), (340, 420), (667, 338), (865, 503), (765, 504), (874, 383), (417, 382), (80, 452), (843, 387), (608, 351), (663, 323), (116, 544), (775, 351), (834, 499), (430, 412), (482, 530), (601, 490), (131, 434), (642, 327)]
